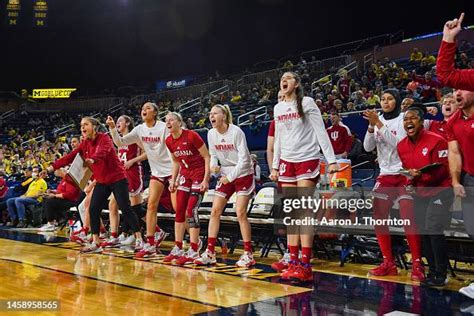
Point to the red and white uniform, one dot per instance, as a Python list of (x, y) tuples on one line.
[(386, 140), (429, 148), (152, 140), (341, 138), (135, 172), (438, 127), (298, 141), (185, 148), (231, 151), (461, 129)]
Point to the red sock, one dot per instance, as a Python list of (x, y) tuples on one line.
[(194, 246), (294, 251), (381, 211), (103, 230), (248, 246), (179, 244), (305, 254), (114, 234), (150, 240), (411, 231), (211, 244), (86, 230), (157, 229)]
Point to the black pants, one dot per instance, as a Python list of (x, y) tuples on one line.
[(468, 204), (55, 209), (100, 195), (432, 218)]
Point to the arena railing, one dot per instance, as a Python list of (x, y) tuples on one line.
[(328, 78), (189, 105), (262, 111), (38, 139), (7, 115)]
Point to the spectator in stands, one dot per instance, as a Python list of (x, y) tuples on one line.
[(465, 47), (338, 106), (429, 87), (433, 193), (189, 123), (351, 107), (416, 55), (356, 149), (27, 179), (343, 85), (57, 202), (359, 100), (236, 98), (464, 62), (406, 103), (3, 186), (373, 100), (340, 136), (255, 124), (428, 58), (33, 196)]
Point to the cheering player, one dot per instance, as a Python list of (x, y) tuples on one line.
[(433, 195), (131, 159), (448, 107), (99, 155), (191, 160), (299, 135), (228, 146), (150, 135), (384, 133)]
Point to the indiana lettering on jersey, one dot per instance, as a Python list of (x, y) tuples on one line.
[(288, 117), (180, 153), (151, 139), (225, 147)]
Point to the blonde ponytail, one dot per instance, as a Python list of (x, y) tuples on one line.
[(228, 114)]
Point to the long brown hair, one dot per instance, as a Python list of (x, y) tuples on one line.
[(128, 121), (299, 93)]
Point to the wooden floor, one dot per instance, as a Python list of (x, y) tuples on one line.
[(95, 284)]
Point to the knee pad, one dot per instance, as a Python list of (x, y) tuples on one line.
[(193, 216)]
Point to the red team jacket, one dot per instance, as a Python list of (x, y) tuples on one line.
[(341, 139), (428, 149), (107, 168), (68, 189), (446, 72), (439, 127)]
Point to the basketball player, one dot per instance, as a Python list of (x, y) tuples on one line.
[(191, 161), (228, 146), (299, 135), (131, 159), (99, 155), (384, 133), (150, 135)]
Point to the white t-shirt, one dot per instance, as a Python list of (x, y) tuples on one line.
[(152, 140), (231, 150), (298, 140), (386, 140)]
